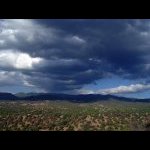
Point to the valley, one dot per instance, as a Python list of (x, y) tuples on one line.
[(58, 115)]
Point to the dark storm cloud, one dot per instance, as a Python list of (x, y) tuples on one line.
[(63, 55)]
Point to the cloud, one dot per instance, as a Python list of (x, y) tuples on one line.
[(9, 78), (65, 55), (84, 91), (133, 88), (26, 35), (75, 40), (18, 60)]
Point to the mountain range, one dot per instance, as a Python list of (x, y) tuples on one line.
[(66, 97)]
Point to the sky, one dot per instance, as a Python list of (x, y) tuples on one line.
[(75, 56)]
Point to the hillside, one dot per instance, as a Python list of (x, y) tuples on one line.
[(72, 98), (8, 96)]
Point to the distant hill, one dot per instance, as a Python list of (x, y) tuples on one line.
[(21, 94), (7, 96), (72, 98)]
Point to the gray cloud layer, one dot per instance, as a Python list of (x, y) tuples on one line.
[(63, 55)]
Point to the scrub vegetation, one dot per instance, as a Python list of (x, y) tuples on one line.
[(67, 116)]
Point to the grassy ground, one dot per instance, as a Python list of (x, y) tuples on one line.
[(65, 116)]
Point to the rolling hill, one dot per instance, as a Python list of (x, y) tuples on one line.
[(72, 98)]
